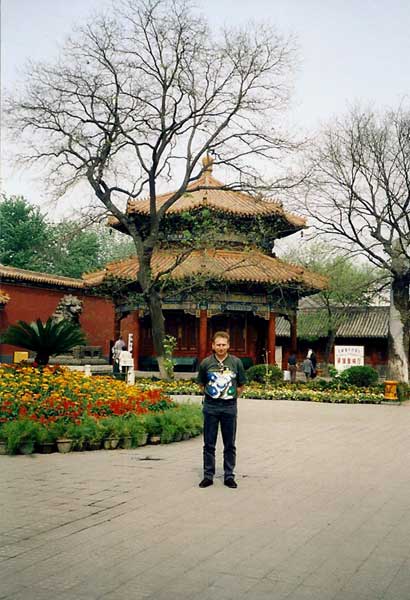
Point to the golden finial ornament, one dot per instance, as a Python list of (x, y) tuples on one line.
[(207, 163)]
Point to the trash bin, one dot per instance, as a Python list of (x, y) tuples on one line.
[(390, 390), (286, 375)]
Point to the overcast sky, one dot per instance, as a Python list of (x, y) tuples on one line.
[(349, 51)]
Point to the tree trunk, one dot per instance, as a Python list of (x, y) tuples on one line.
[(153, 299), (158, 329), (331, 334), (398, 339)]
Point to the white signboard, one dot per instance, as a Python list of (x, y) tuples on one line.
[(130, 342), (348, 356)]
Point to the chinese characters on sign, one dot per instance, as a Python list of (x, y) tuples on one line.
[(348, 356)]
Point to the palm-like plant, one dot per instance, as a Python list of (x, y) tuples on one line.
[(46, 339)]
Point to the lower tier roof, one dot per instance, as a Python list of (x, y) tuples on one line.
[(233, 266)]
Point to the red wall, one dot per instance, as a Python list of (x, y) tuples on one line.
[(31, 303)]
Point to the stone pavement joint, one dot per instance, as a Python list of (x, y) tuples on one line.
[(321, 512)]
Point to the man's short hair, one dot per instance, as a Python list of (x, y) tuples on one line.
[(221, 334)]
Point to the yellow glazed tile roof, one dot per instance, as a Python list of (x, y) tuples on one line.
[(228, 201), (12, 273), (216, 198), (233, 266)]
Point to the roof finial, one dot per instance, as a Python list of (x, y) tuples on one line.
[(207, 162)]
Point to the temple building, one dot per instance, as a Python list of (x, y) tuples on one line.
[(234, 283)]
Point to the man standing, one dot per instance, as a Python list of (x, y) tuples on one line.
[(292, 366), (307, 368), (222, 375)]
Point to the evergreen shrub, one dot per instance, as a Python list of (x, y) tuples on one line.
[(360, 376), (265, 374), (403, 391)]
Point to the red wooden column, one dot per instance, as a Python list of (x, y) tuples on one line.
[(293, 332), (271, 338), (136, 337), (203, 329)]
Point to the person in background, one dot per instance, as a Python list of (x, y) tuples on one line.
[(307, 368), (116, 352), (311, 354), (125, 360), (292, 366), (222, 376)]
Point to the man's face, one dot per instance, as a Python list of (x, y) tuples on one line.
[(220, 346)]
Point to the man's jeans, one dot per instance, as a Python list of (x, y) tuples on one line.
[(224, 413)]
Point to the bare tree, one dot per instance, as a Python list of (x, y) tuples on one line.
[(359, 194), (138, 97)]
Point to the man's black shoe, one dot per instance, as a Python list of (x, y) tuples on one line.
[(231, 483), (206, 482)]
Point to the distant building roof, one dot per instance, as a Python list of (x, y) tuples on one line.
[(23, 275), (355, 322)]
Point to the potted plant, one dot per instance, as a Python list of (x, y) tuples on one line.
[(75, 432), (21, 436), (63, 441), (46, 439), (126, 437), (93, 433), (137, 430), (3, 440), (112, 432), (153, 425)]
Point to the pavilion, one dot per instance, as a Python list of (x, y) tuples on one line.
[(244, 285)]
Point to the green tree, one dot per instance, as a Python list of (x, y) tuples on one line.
[(25, 235), (78, 248), (73, 251), (70, 248)]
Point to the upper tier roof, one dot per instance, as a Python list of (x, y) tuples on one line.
[(216, 198)]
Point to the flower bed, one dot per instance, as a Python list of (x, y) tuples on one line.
[(304, 393), (317, 391), (41, 405)]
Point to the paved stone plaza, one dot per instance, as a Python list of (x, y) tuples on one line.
[(322, 512)]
